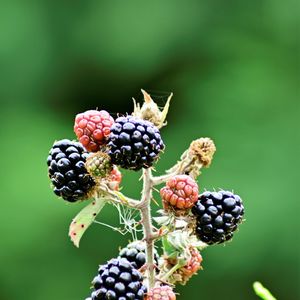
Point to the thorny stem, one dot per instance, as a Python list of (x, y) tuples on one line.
[(145, 207), (188, 164)]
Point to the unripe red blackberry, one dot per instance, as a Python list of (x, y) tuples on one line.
[(218, 215), (163, 292), (92, 128), (180, 192), (118, 279), (134, 143), (135, 254), (192, 266), (66, 167)]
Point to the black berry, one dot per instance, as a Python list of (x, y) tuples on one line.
[(66, 168), (135, 254), (218, 215), (118, 279), (134, 143)]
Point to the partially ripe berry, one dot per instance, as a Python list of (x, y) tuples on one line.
[(163, 292), (92, 128), (98, 164), (180, 192), (193, 265)]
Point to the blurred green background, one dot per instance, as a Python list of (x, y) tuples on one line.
[(234, 69)]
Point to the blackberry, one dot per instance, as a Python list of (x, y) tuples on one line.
[(135, 254), (218, 215), (134, 143), (66, 168), (118, 279)]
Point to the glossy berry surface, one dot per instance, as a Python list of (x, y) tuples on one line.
[(118, 279), (92, 128), (218, 215), (135, 254), (66, 169), (134, 143), (180, 192), (164, 292)]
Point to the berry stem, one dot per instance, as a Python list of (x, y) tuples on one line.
[(167, 275), (145, 207), (187, 164)]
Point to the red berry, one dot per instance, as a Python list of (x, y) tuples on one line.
[(161, 293), (193, 265), (180, 192), (92, 128)]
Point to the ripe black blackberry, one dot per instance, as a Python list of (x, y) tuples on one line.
[(217, 216), (118, 279), (66, 168), (134, 143), (135, 254)]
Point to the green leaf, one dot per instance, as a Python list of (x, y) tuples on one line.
[(174, 244), (169, 249), (84, 219)]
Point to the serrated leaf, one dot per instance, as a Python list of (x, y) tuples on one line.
[(175, 244), (169, 250), (84, 219)]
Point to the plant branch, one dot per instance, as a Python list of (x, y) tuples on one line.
[(145, 207), (187, 164), (117, 197)]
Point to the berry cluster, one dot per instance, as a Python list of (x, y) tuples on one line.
[(118, 279), (129, 142), (218, 215), (187, 224)]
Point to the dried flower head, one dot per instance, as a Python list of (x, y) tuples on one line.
[(150, 110), (203, 149)]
